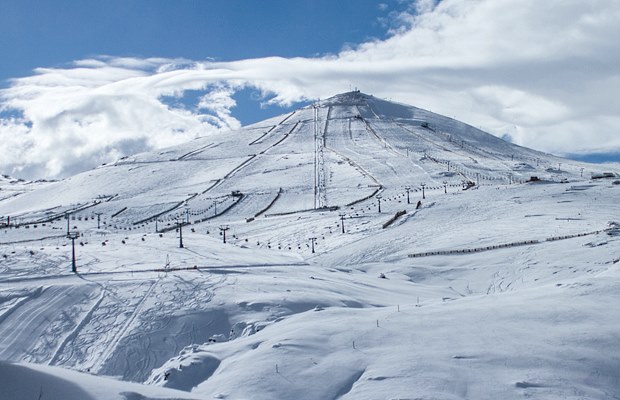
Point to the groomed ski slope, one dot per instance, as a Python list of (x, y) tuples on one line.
[(264, 317)]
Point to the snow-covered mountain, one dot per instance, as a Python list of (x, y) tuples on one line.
[(372, 250), (334, 153)]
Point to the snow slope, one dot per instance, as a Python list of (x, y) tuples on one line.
[(504, 290), (31, 381)]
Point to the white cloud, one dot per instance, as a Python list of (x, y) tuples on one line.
[(546, 72), (98, 110)]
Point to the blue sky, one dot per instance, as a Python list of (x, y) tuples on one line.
[(46, 33), (85, 82), (39, 33)]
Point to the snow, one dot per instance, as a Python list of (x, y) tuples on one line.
[(505, 290), (31, 381)]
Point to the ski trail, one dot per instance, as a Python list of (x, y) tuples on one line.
[(73, 334), (36, 293), (17, 331), (381, 140), (111, 347)]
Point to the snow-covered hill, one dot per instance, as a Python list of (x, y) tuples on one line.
[(334, 153), (373, 250)]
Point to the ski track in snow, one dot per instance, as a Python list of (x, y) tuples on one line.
[(73, 334), (126, 327), (24, 323)]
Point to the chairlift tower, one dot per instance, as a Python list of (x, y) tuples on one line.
[(223, 229), (180, 225), (73, 235), (98, 214), (312, 240)]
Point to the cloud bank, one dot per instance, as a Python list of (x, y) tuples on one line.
[(544, 74)]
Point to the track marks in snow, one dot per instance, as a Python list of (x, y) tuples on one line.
[(73, 334), (162, 333), (30, 321), (16, 301), (82, 326), (111, 347)]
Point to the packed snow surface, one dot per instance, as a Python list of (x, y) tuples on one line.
[(372, 250)]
